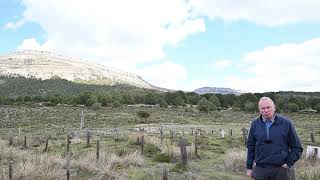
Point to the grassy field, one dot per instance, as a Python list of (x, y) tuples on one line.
[(120, 156)]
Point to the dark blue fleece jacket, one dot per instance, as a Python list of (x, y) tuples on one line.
[(283, 145)]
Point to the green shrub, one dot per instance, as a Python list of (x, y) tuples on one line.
[(143, 114), (150, 150), (163, 157)]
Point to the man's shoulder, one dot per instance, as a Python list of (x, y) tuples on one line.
[(282, 119), (256, 120)]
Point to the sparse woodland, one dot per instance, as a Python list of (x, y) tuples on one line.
[(131, 133)]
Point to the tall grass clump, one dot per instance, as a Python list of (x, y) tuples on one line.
[(235, 160)]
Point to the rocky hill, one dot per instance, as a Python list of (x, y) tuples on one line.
[(217, 90), (46, 65)]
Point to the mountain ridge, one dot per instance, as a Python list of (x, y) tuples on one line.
[(47, 65), (217, 90)]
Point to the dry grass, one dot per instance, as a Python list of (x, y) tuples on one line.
[(29, 165), (167, 147), (308, 168), (235, 159), (108, 163)]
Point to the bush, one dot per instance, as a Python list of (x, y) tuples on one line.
[(96, 106), (150, 150), (162, 157), (292, 107), (143, 114)]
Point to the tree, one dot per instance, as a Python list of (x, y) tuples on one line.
[(93, 99), (205, 105), (128, 98), (215, 101), (244, 98), (292, 107), (162, 102), (105, 99), (297, 101), (317, 108), (192, 98), (151, 99), (250, 107)]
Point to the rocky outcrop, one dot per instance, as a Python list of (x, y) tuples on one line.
[(217, 90), (46, 65)]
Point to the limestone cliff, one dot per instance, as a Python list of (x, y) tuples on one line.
[(46, 65)]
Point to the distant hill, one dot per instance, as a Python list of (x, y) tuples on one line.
[(46, 65), (217, 90)]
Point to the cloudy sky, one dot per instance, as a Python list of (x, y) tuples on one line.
[(255, 46)]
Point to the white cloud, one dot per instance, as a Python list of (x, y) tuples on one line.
[(221, 64), (30, 43), (270, 12), (167, 74), (284, 67), (14, 25), (113, 32)]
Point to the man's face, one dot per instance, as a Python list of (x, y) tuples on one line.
[(266, 108)]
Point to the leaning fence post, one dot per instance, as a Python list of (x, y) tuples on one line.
[(10, 169)]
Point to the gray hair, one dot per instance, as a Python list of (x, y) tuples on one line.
[(266, 99)]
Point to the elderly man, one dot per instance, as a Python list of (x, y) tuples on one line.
[(273, 145)]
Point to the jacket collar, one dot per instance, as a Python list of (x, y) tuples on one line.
[(275, 119)]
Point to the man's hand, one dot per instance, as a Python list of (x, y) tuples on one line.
[(249, 173), (285, 165)]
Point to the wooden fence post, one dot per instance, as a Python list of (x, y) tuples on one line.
[(165, 174), (88, 139), (117, 136), (98, 149), (68, 167), (10, 169), (161, 134), (245, 136), (195, 144), (46, 146), (11, 140), (183, 150), (312, 138), (142, 144), (68, 143), (230, 135), (25, 142)]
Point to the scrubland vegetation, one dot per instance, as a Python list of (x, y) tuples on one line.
[(119, 131)]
